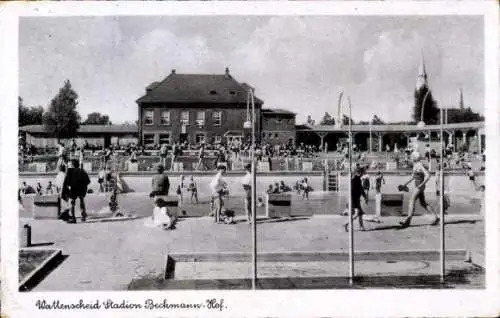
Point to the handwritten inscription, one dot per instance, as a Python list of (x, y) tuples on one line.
[(148, 304)]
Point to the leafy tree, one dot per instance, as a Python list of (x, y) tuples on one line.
[(431, 111), (29, 115), (363, 122), (377, 121), (62, 119), (310, 121), (346, 119), (327, 120), (97, 119), (464, 115)]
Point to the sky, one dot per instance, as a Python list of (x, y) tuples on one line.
[(299, 63)]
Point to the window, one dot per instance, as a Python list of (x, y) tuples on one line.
[(165, 117), (185, 118), (164, 138), (217, 118), (200, 118), (149, 139), (199, 138), (148, 117), (218, 139), (263, 135), (276, 135)]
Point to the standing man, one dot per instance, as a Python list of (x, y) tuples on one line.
[(163, 155), (201, 156), (175, 151), (76, 183), (421, 176), (160, 184), (356, 193), (219, 189), (247, 187)]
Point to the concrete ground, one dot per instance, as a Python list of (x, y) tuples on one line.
[(109, 255)]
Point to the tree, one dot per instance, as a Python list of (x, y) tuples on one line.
[(310, 121), (464, 115), (327, 120), (377, 121), (431, 111), (345, 120), (29, 115), (97, 119), (62, 119)]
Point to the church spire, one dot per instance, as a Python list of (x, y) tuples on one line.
[(461, 100), (422, 74)]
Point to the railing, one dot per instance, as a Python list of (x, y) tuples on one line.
[(190, 162)]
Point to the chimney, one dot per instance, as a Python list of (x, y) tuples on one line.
[(227, 71), (173, 72)]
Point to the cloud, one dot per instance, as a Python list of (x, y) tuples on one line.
[(296, 62)]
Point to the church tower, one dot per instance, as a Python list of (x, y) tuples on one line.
[(422, 75), (461, 100)]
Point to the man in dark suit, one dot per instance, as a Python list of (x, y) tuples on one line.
[(76, 183)]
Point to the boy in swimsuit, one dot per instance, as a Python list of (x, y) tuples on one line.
[(421, 176)]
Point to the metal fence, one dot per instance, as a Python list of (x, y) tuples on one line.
[(190, 163)]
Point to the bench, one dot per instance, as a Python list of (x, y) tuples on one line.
[(278, 205), (46, 207)]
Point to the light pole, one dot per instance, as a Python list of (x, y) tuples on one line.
[(251, 124), (441, 201), (421, 123), (351, 232)]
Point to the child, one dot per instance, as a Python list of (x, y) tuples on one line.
[(39, 189), (61, 174), (50, 188), (162, 217), (100, 178), (306, 188), (194, 190)]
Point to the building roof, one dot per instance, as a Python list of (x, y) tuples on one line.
[(109, 129), (389, 127), (199, 88), (277, 111)]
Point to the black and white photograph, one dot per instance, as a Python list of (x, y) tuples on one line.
[(249, 152)]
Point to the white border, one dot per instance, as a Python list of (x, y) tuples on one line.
[(262, 303)]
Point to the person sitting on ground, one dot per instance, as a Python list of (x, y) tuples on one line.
[(160, 183), (283, 187), (162, 216), (27, 189), (50, 188), (277, 188), (270, 189)]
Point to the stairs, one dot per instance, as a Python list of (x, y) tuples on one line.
[(333, 182)]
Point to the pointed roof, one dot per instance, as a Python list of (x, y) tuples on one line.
[(461, 100), (422, 74), (421, 67), (197, 88)]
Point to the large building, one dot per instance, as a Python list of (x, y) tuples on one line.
[(206, 108)]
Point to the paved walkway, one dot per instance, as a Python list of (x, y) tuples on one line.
[(108, 255)]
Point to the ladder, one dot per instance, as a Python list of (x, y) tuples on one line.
[(333, 181)]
